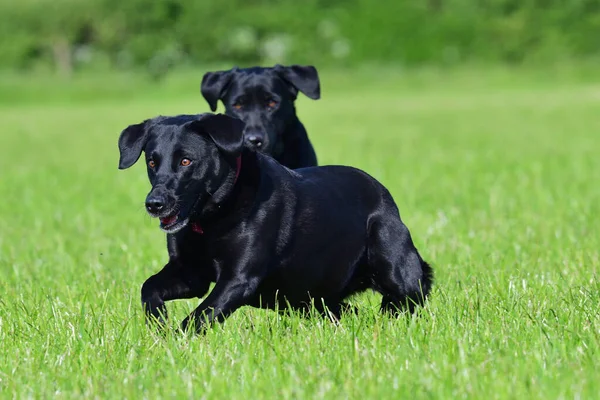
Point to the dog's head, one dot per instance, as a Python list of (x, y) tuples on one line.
[(191, 160), (261, 97)]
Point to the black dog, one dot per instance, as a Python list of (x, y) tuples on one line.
[(268, 236), (263, 98)]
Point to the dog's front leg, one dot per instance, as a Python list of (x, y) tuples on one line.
[(174, 281), (226, 297)]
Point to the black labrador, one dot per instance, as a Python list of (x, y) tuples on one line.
[(263, 98), (268, 236)]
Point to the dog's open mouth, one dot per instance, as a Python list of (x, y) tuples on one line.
[(166, 221), (172, 223)]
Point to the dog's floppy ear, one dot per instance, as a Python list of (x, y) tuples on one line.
[(131, 143), (214, 85), (225, 131), (302, 78)]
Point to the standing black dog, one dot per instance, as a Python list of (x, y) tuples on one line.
[(267, 235), (263, 98)]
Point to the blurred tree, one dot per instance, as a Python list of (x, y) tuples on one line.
[(161, 34)]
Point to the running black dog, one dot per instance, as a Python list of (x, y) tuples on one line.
[(263, 98), (268, 236)]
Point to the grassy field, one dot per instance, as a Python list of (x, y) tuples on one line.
[(496, 173)]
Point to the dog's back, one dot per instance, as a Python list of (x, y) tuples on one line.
[(338, 231)]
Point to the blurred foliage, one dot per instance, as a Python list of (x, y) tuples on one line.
[(159, 34)]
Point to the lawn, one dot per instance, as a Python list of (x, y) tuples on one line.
[(496, 173)]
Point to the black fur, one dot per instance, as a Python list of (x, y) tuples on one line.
[(270, 237), (263, 98)]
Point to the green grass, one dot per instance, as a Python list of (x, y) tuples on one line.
[(497, 174)]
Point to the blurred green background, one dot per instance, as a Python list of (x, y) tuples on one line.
[(157, 35)]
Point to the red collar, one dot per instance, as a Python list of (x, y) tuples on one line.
[(196, 226)]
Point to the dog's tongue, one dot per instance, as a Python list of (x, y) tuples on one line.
[(168, 220)]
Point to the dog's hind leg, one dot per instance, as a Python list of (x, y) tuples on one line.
[(399, 273), (334, 309), (329, 309)]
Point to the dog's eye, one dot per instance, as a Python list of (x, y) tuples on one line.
[(151, 164), (185, 162), (237, 106), (272, 104)]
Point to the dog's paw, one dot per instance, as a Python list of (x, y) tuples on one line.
[(157, 323), (187, 324), (194, 325)]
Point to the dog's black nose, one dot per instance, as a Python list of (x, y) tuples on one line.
[(255, 140), (154, 204)]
